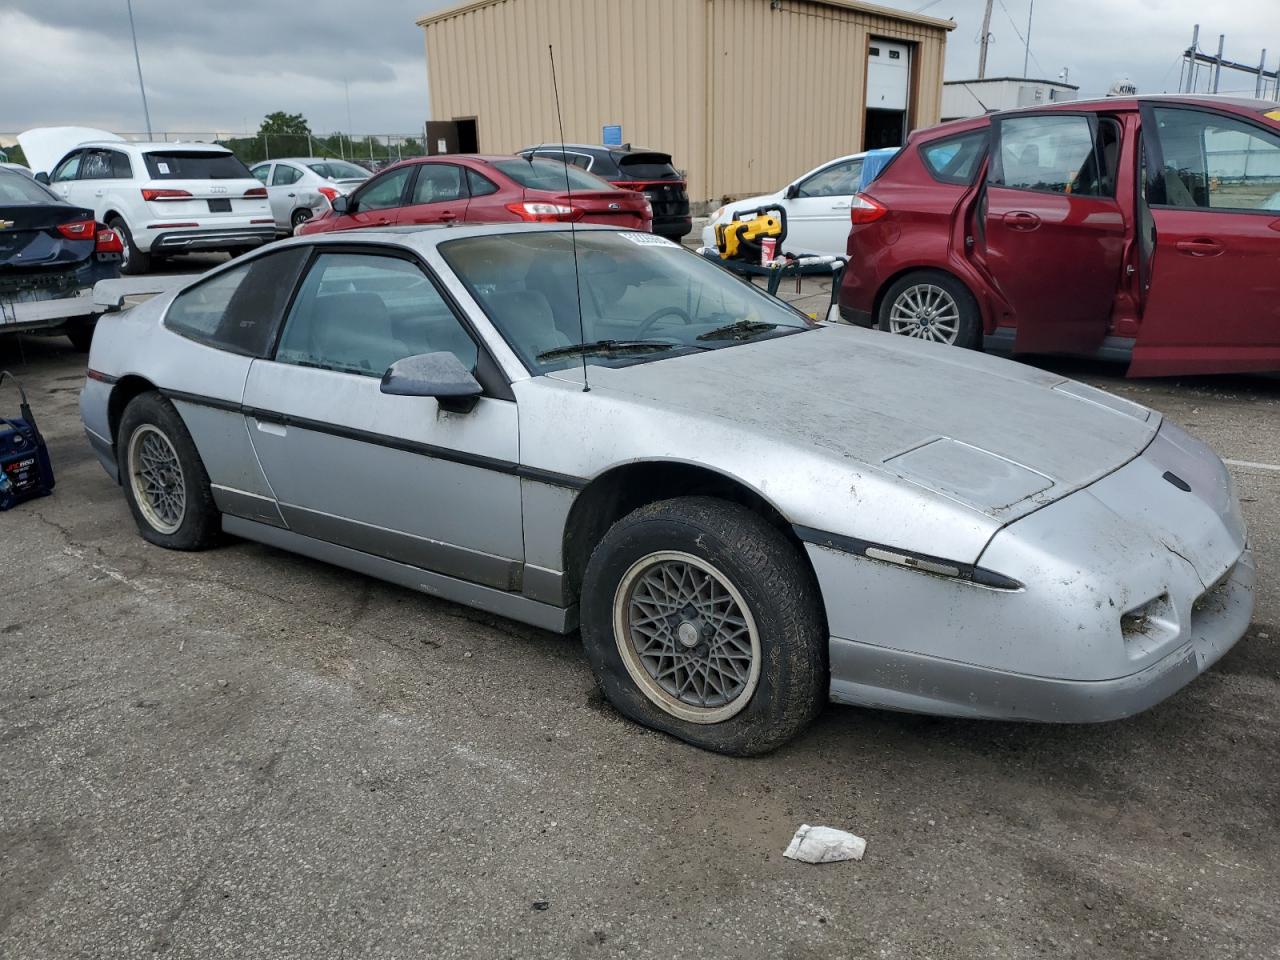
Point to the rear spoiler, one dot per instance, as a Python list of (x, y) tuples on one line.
[(110, 295)]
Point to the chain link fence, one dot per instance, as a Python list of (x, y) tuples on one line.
[(373, 151)]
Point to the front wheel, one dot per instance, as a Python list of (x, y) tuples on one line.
[(701, 620), (164, 479), (933, 306)]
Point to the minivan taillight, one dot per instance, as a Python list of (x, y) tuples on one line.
[(256, 192), (77, 229), (863, 209), (537, 212), (151, 193)]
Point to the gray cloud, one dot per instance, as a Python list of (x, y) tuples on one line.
[(220, 66)]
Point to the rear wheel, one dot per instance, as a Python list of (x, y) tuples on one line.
[(933, 306), (80, 332), (164, 480), (132, 260), (299, 218), (700, 619)]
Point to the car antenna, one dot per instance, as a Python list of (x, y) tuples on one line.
[(573, 233)]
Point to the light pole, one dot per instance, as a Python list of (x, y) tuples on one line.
[(146, 112)]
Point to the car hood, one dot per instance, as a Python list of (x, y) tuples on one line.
[(999, 437), (45, 146)]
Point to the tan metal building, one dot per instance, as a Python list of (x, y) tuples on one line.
[(745, 94)]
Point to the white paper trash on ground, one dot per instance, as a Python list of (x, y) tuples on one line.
[(824, 845)]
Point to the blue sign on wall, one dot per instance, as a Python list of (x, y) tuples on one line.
[(612, 135)]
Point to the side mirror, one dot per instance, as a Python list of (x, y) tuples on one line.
[(42, 177), (439, 375), (793, 191), (342, 205)]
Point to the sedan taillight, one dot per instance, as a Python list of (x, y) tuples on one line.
[(77, 229), (151, 193), (329, 193), (540, 212), (256, 192), (863, 209), (106, 240)]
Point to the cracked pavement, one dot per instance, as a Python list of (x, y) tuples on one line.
[(242, 753)]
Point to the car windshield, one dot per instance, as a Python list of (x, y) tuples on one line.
[(643, 298), (17, 188), (540, 174), (195, 165), (338, 170)]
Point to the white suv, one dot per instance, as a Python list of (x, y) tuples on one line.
[(162, 198)]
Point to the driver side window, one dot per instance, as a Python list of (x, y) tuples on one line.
[(837, 180), (68, 168), (360, 313), (383, 192)]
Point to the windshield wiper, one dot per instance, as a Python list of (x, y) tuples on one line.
[(615, 347), (739, 329)]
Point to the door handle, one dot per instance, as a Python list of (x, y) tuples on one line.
[(274, 429), (842, 206), (1200, 247), (448, 216), (293, 194), (384, 221), (1021, 220)]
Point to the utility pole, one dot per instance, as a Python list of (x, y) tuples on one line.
[(1027, 54), (986, 39), (146, 112), (1217, 66)]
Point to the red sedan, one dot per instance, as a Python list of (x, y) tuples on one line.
[(469, 188), (1145, 228)]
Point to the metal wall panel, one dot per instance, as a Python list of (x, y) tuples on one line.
[(743, 96)]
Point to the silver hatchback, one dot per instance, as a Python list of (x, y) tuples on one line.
[(747, 513)]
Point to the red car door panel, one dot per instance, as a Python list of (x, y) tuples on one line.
[(1213, 300), (1054, 236), (439, 194)]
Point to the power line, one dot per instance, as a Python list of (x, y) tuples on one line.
[(1012, 23)]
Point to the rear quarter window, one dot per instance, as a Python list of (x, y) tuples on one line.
[(195, 165), (240, 309), (955, 159)]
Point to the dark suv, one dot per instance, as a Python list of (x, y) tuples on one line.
[(632, 168)]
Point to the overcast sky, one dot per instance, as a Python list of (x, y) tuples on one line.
[(218, 66)]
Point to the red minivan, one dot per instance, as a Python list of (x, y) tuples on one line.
[(1142, 228), (469, 188)]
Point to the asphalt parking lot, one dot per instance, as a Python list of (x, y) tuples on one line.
[(243, 753)]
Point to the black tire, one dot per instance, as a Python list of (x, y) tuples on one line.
[(200, 521), (134, 261), (765, 569), (80, 333), (299, 217), (969, 327)]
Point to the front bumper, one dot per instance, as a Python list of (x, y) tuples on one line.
[(870, 676)]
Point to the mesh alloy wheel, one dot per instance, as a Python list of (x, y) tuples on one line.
[(687, 637), (155, 474)]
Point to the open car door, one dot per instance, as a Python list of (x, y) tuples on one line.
[(1054, 235), (1212, 298)]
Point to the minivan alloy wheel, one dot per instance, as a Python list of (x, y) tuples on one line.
[(155, 473), (927, 312), (687, 637)]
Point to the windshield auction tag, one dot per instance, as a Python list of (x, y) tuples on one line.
[(649, 240)]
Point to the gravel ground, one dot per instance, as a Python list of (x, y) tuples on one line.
[(242, 753)]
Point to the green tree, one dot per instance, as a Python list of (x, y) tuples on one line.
[(284, 124)]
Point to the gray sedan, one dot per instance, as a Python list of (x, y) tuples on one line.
[(299, 188), (747, 513)]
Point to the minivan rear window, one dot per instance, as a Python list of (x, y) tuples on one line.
[(647, 166), (955, 159), (195, 165)]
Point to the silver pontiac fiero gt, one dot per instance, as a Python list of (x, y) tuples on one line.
[(747, 513)]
